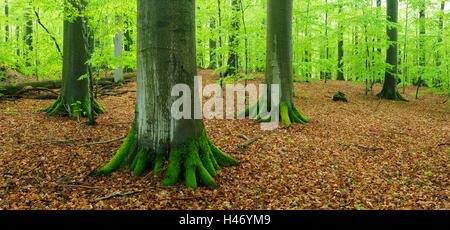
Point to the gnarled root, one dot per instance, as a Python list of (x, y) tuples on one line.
[(77, 109), (288, 114), (396, 96), (198, 159)]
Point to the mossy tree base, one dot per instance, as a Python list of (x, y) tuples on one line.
[(197, 160), (396, 96), (288, 114), (74, 110)]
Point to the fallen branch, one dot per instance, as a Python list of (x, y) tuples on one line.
[(104, 142), (13, 89), (118, 194), (242, 136), (249, 142), (117, 93), (49, 141)]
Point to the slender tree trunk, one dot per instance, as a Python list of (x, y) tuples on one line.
[(166, 57), (405, 61), (212, 46), (28, 36), (439, 41), (307, 54), (340, 71), (390, 81), (74, 96), (118, 52), (422, 56), (7, 21), (233, 58), (327, 49)]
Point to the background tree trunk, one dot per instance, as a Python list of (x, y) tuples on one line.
[(118, 52), (74, 97), (279, 58), (390, 81)]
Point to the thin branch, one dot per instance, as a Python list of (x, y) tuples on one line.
[(104, 142), (51, 36), (249, 142), (118, 194), (49, 141)]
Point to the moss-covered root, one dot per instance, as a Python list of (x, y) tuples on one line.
[(288, 115), (129, 154), (77, 109), (391, 96), (198, 160)]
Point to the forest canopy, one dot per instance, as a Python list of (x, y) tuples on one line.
[(31, 38)]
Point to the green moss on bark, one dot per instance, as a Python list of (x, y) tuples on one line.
[(196, 161), (75, 110)]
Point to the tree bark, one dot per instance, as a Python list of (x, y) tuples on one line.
[(166, 57), (279, 58)]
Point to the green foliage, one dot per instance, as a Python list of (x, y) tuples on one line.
[(315, 39)]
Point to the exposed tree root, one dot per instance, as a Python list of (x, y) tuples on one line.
[(75, 110), (396, 96), (198, 159), (288, 114)]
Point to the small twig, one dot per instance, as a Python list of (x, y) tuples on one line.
[(104, 142), (249, 142), (442, 144)]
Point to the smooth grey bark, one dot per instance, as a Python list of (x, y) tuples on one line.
[(279, 48), (166, 57)]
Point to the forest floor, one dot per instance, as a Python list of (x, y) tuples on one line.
[(364, 154)]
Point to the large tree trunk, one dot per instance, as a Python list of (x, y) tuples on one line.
[(166, 57), (279, 58), (390, 81), (74, 97)]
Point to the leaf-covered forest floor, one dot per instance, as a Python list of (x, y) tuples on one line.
[(364, 154)]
